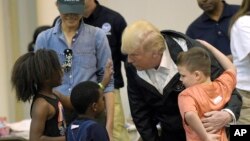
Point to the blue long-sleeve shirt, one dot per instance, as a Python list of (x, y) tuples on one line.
[(90, 54)]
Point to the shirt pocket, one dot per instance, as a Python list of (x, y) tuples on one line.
[(85, 59)]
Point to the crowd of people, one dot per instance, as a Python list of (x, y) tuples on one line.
[(183, 83)]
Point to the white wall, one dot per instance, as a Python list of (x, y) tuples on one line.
[(3, 62), (166, 14), (16, 28)]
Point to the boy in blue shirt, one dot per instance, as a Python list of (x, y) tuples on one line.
[(88, 101)]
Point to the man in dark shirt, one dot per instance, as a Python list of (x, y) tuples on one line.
[(113, 24), (212, 24)]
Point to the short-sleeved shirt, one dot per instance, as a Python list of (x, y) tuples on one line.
[(240, 42), (214, 32), (202, 98)]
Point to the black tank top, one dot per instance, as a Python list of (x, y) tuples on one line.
[(55, 126)]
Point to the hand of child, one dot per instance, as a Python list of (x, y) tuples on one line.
[(107, 73)]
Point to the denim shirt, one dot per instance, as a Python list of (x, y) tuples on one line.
[(90, 54)]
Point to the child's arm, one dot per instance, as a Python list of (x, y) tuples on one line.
[(194, 122), (107, 74), (109, 97), (223, 60)]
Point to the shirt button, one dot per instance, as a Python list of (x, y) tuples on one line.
[(70, 76), (219, 32), (73, 39), (69, 89)]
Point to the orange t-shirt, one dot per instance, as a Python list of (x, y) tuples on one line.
[(202, 98)]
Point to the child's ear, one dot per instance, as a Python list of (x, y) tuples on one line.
[(198, 75), (94, 107)]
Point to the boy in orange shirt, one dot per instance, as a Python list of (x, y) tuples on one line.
[(201, 94)]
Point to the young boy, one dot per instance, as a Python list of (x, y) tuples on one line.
[(88, 101), (201, 94)]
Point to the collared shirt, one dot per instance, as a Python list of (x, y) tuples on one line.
[(113, 24), (214, 32), (160, 77), (90, 53)]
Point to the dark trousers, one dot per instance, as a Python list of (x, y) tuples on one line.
[(168, 135)]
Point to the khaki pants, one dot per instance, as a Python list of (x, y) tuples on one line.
[(245, 109), (120, 133)]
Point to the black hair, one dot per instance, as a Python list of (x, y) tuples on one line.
[(35, 34), (31, 70), (83, 95), (55, 20)]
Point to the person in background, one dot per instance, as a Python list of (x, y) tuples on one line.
[(83, 51), (240, 41), (212, 25), (38, 30), (87, 99), (154, 83), (113, 24), (201, 94)]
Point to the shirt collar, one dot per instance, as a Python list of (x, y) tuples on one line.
[(166, 60), (57, 28)]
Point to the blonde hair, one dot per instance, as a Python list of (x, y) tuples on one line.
[(142, 34)]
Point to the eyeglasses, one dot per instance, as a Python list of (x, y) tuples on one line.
[(68, 53)]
